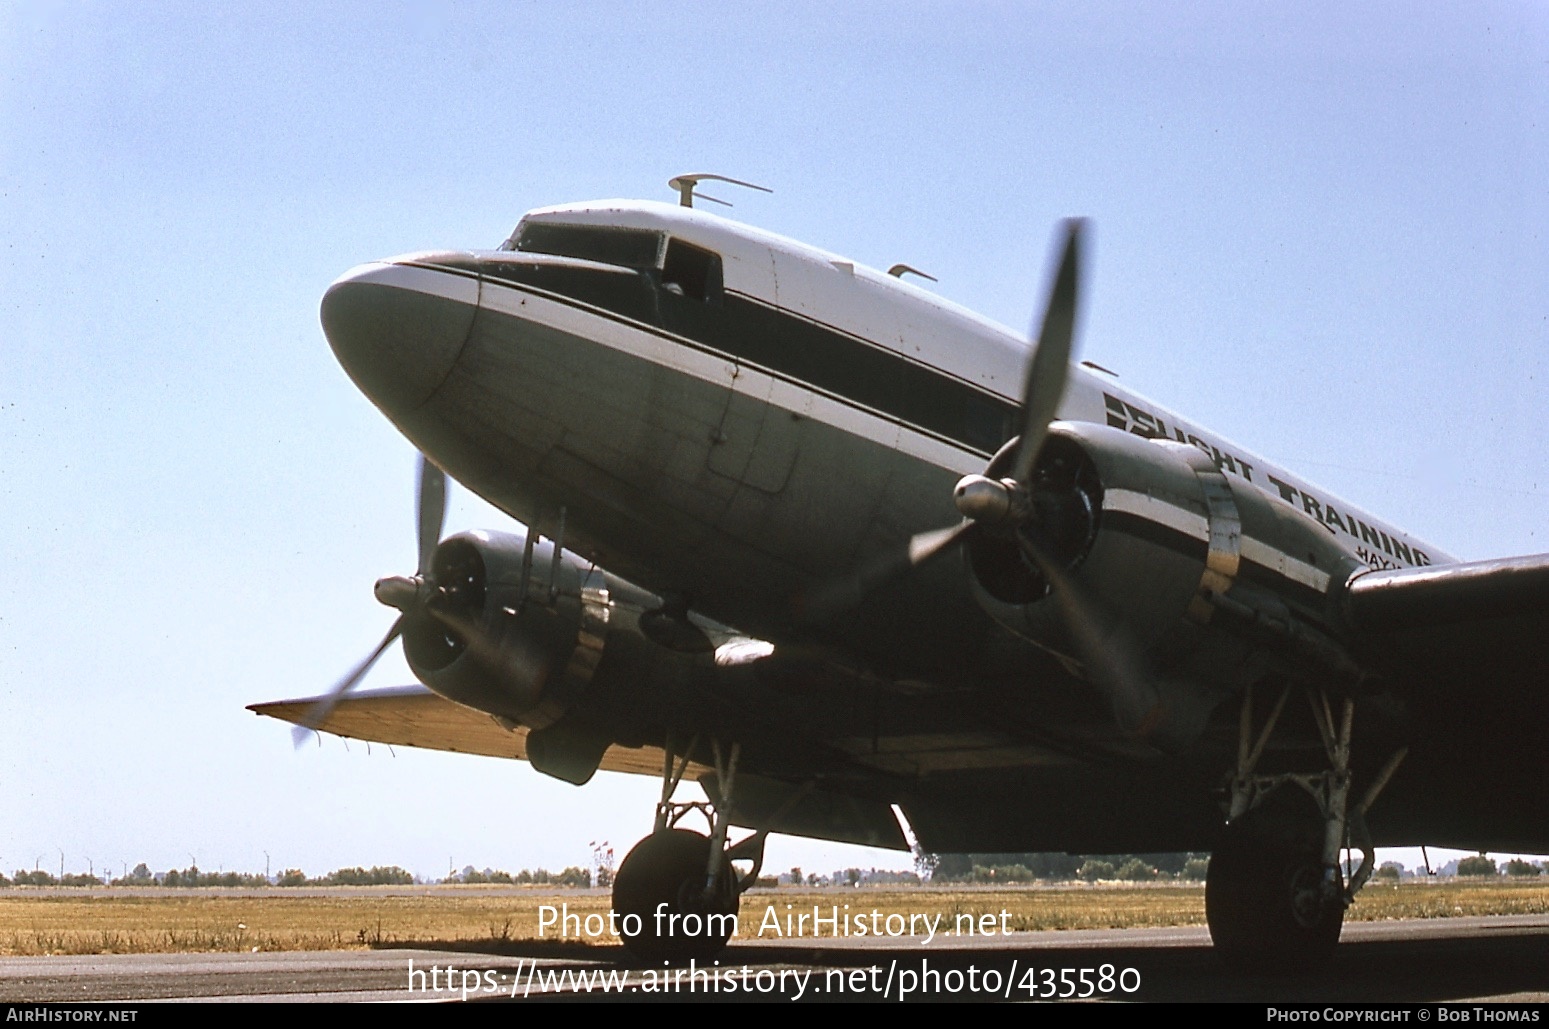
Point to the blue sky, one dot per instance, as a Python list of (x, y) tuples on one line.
[(1321, 232)]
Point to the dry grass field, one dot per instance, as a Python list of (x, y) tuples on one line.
[(128, 920)]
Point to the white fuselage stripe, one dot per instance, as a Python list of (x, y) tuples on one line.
[(648, 344), (1195, 526), (608, 329), (436, 282), (1281, 563), (1154, 509)]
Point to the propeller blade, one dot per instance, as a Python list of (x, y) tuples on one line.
[(1049, 365), (1104, 648), (324, 707), (840, 595), (926, 545), (432, 510)]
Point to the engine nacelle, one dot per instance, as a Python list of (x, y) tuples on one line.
[(527, 654), (1197, 571)]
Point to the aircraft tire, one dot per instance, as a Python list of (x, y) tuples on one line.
[(1263, 903), (661, 883)]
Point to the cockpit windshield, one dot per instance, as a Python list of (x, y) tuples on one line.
[(628, 248)]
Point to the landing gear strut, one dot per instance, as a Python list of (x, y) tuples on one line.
[(1275, 896), (676, 894)]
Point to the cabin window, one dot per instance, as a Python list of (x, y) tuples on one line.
[(628, 248), (692, 272)]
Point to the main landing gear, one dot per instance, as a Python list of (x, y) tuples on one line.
[(1275, 896), (676, 894)]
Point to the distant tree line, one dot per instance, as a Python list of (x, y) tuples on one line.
[(194, 877), (40, 878), (1060, 867), (1482, 865), (391, 875), (941, 868), (574, 877), (1188, 867)]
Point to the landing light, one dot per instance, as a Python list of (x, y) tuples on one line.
[(742, 651)]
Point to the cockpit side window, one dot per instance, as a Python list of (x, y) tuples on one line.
[(692, 272), (628, 248)]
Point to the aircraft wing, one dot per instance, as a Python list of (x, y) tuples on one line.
[(413, 716), (1482, 623), (1463, 648)]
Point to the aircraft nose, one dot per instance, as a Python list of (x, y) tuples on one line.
[(397, 327)]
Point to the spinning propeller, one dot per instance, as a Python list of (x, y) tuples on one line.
[(415, 597), (1033, 508)]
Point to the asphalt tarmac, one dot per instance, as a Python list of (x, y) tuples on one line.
[(1448, 960)]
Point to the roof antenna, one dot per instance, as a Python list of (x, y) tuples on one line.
[(685, 184), (899, 270)]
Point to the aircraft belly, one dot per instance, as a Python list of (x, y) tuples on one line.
[(1080, 809)]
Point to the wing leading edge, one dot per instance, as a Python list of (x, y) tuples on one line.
[(1475, 593), (413, 716)]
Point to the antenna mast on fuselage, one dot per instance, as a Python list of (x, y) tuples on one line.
[(685, 184)]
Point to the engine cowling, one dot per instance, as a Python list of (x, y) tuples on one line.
[(485, 641), (1199, 573)]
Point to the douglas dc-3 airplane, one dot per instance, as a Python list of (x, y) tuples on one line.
[(870, 555)]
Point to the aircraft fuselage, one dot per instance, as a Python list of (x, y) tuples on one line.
[(733, 418), (776, 420)]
